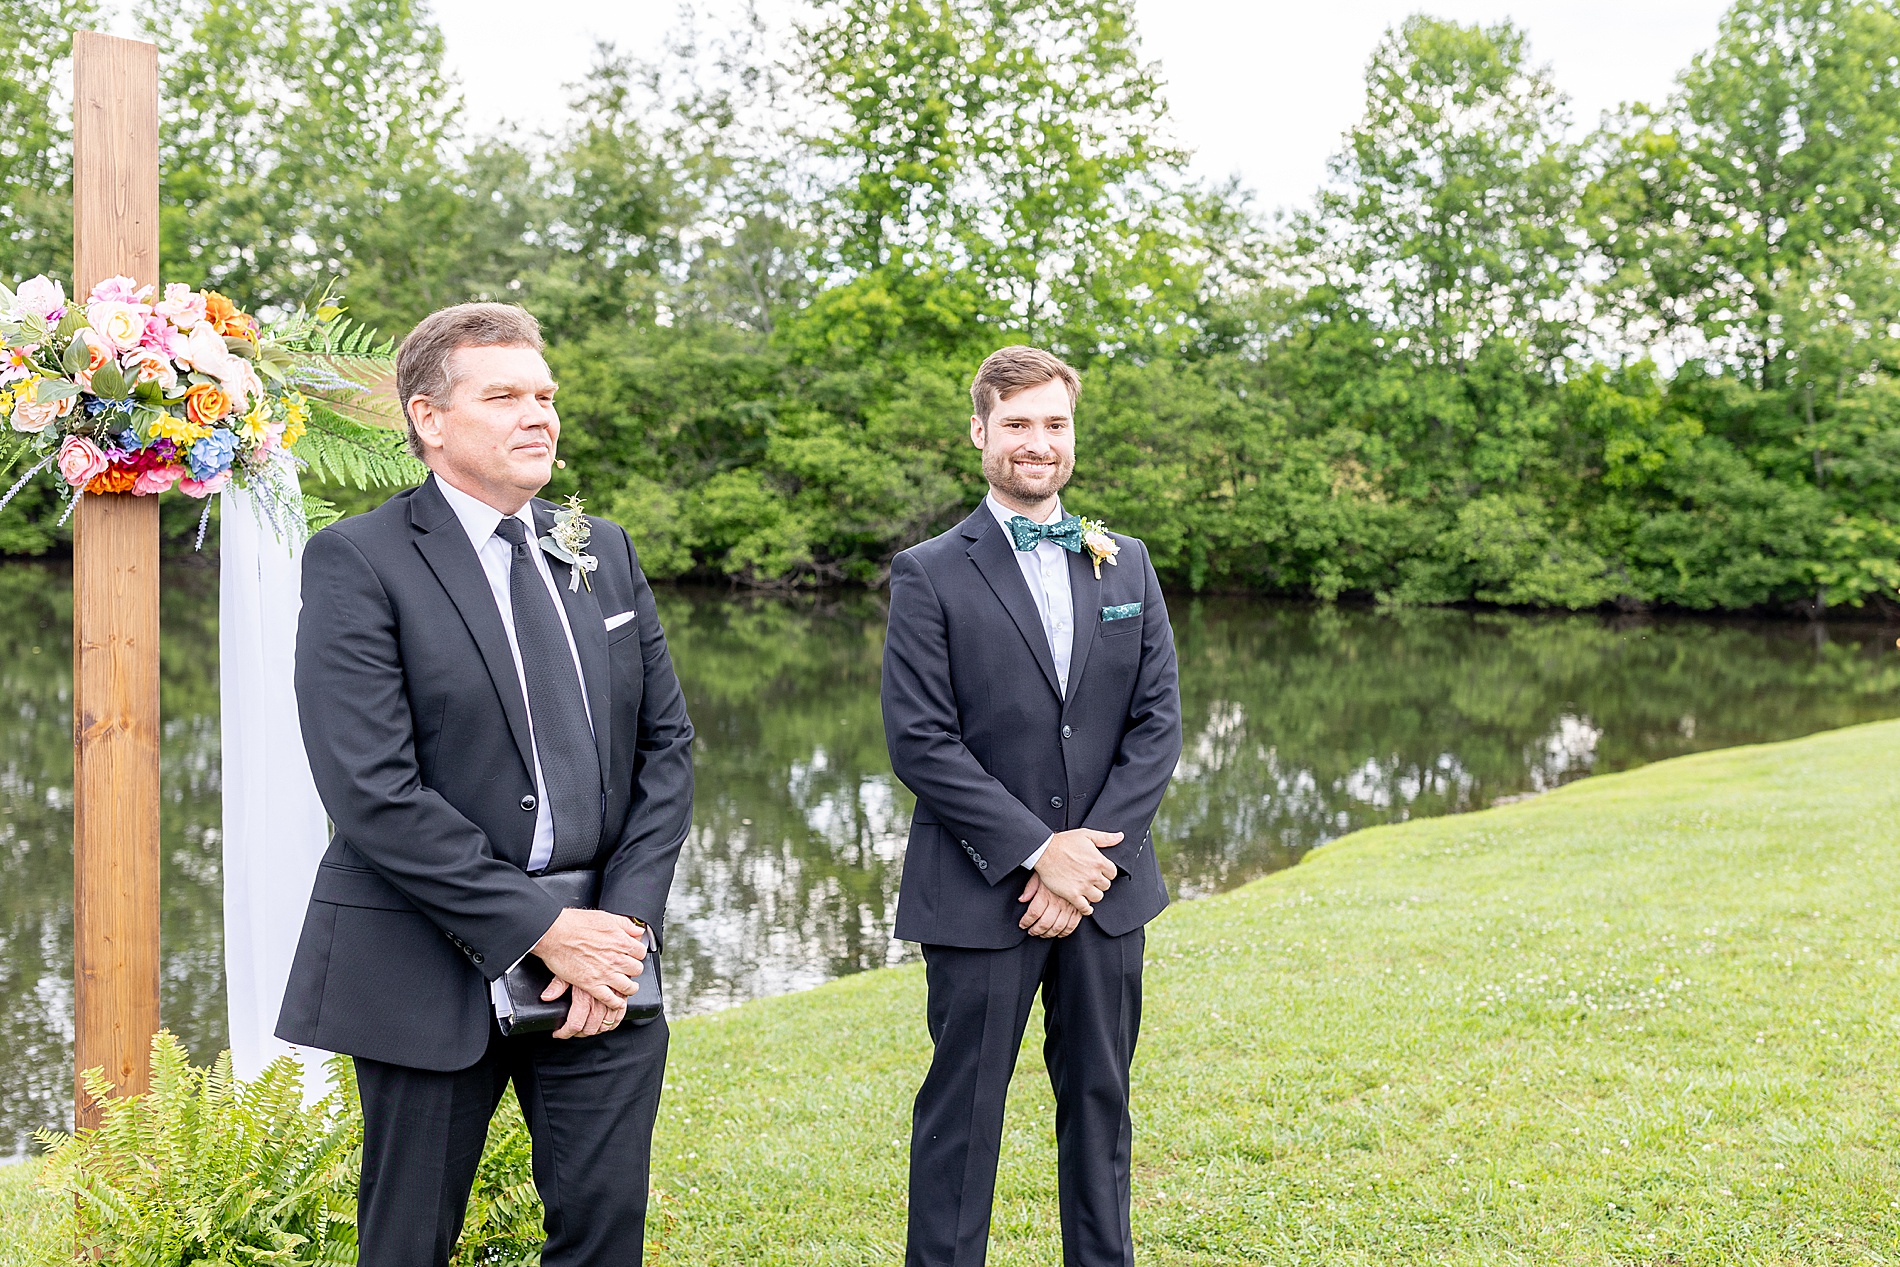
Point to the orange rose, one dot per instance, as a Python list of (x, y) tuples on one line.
[(241, 326), (116, 480), (205, 404), (218, 310)]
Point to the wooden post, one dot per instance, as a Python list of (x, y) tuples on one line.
[(115, 605)]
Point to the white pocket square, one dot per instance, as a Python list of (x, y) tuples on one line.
[(614, 622)]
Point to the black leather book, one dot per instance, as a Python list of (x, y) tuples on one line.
[(526, 1012)]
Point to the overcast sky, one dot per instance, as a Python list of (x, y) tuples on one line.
[(1261, 89)]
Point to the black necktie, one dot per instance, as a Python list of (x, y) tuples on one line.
[(563, 741)]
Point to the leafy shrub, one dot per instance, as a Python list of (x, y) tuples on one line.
[(207, 1168)]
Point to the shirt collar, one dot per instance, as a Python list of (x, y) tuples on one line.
[(478, 518), (1004, 514)]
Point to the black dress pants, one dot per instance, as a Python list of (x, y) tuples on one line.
[(979, 1006), (590, 1105)]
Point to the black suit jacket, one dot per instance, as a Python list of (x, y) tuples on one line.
[(417, 733), (998, 758)]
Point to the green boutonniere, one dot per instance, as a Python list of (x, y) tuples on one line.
[(567, 541)]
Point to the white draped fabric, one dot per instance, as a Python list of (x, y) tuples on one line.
[(275, 830)]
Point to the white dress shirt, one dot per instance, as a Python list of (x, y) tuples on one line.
[(1046, 569)]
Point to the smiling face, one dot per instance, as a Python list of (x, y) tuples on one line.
[(495, 435), (1028, 444)]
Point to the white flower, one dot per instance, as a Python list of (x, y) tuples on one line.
[(1101, 547), (205, 351), (567, 541), (120, 324), (41, 297)]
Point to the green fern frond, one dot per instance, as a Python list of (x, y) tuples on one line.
[(343, 451), (318, 514), (344, 338), (210, 1168), (371, 407)]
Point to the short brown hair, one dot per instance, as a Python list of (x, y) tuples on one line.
[(1009, 370), (424, 365)]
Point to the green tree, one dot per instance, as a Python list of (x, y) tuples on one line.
[(1021, 143), (1752, 222), (290, 129), (1452, 220), (36, 225)]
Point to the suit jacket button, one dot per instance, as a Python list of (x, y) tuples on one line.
[(1067, 733), (1055, 802), (476, 958), (527, 802)]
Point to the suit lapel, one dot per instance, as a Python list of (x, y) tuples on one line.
[(449, 554), (1085, 590), (995, 558), (590, 639)]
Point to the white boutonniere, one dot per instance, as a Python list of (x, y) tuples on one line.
[(567, 541), (1101, 547)]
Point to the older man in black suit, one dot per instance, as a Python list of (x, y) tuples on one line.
[(1030, 702), (480, 709)]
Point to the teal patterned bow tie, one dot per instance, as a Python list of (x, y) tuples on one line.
[(1065, 532)]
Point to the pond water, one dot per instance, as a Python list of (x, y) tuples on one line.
[(1301, 723)]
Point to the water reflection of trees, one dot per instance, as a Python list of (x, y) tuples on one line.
[(1301, 723), (36, 882), (790, 877), (1305, 722)]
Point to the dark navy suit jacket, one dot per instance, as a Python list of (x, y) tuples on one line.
[(417, 734), (998, 758)]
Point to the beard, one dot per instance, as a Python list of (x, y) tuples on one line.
[(1001, 473)]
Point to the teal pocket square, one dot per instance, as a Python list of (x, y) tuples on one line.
[(1121, 613)]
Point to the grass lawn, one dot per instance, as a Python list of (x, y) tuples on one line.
[(24, 1218), (1649, 1018)]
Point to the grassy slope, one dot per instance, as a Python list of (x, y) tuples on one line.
[(1649, 1018)]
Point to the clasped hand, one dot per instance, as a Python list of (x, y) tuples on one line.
[(599, 954), (1070, 878)]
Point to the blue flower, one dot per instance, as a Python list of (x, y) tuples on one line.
[(211, 454)]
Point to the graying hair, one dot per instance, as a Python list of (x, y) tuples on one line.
[(425, 364)]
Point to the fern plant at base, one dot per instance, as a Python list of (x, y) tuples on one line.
[(208, 1168)]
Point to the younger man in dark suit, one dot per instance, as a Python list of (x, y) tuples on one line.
[(1030, 702)]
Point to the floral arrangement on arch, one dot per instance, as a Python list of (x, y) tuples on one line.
[(121, 394)]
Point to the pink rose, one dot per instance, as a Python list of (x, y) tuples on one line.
[(42, 297), (204, 488), (80, 460), (182, 306), (160, 336), (119, 290), (157, 479)]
